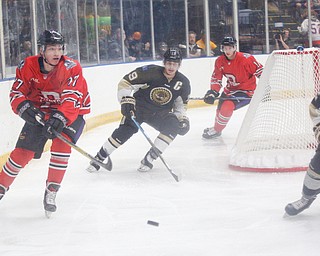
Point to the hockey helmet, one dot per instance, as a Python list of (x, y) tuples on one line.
[(50, 37), (228, 41), (173, 54)]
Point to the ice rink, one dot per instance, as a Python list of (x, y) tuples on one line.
[(212, 211)]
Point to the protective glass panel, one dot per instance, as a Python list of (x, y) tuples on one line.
[(137, 26), (87, 31), (169, 24), (68, 15), (17, 35)]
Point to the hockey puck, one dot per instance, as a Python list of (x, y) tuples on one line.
[(153, 223)]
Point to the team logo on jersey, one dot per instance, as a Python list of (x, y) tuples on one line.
[(69, 64), (161, 95), (21, 64)]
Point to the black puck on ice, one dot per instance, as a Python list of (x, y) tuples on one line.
[(153, 223)]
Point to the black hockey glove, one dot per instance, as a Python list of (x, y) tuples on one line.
[(316, 131), (128, 106), (210, 96), (57, 122), (184, 125), (28, 112)]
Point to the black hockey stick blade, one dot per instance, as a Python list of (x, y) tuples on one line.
[(107, 166), (173, 174)]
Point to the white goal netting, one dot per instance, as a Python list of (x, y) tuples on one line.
[(276, 134)]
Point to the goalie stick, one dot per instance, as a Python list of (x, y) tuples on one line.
[(107, 166), (175, 176)]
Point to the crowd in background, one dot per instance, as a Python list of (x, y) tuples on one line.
[(103, 31)]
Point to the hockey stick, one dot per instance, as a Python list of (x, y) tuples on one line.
[(221, 98), (175, 176), (107, 166)]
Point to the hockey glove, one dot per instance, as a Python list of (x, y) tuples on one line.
[(316, 131), (128, 106), (57, 122), (28, 112), (210, 96), (184, 125)]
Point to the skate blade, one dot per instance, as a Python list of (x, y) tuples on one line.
[(48, 214), (286, 215)]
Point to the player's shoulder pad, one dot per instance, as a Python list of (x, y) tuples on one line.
[(31, 60), (148, 67), (21, 64), (70, 63), (246, 55)]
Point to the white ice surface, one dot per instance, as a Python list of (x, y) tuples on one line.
[(212, 211)]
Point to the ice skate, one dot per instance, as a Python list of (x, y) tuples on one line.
[(101, 156), (93, 167), (298, 206), (210, 133), (146, 162), (3, 190), (49, 198)]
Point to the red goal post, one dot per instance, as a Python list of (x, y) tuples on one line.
[(276, 134)]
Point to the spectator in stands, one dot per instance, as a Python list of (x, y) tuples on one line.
[(137, 48), (202, 44), (282, 40), (103, 44), (115, 46), (162, 48), (194, 49), (297, 8), (315, 33), (27, 50)]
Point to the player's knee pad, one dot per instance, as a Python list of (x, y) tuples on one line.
[(123, 133), (226, 108), (170, 126), (60, 146)]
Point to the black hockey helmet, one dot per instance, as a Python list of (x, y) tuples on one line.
[(50, 37), (173, 54), (228, 41)]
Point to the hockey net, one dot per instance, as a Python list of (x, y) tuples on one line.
[(276, 134)]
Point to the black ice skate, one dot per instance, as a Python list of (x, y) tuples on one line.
[(210, 133), (298, 206), (101, 156), (49, 198)]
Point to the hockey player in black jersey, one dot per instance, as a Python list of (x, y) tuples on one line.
[(156, 95), (311, 183)]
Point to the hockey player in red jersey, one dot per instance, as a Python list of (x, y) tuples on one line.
[(51, 87), (240, 70), (157, 96)]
